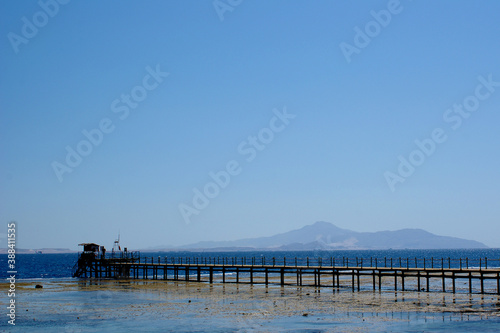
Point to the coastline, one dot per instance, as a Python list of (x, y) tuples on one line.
[(115, 305)]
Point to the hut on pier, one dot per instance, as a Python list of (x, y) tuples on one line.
[(92, 261)]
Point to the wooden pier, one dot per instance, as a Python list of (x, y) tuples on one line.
[(445, 275)]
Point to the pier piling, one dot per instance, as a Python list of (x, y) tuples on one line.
[(305, 272)]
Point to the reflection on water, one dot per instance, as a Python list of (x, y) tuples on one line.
[(159, 306)]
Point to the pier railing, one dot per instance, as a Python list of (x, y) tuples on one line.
[(375, 262), (481, 275), (132, 256)]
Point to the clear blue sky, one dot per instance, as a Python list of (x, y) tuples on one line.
[(353, 119)]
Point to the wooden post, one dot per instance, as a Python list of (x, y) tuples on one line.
[(373, 277), (198, 274), (319, 277), (211, 274), (453, 280), (443, 280), (498, 283), (427, 278), (353, 284), (238, 274), (482, 282), (395, 281), (470, 282), (282, 277), (418, 280), (223, 274), (379, 280), (358, 279), (403, 280)]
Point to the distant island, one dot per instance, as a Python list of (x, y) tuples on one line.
[(38, 251), (327, 236), (317, 236)]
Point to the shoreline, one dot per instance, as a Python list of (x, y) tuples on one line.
[(86, 305)]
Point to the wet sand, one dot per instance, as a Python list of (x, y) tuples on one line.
[(153, 306)]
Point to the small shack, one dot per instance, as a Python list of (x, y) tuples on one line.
[(93, 261), (90, 247)]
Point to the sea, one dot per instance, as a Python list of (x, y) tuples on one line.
[(60, 266), (68, 304)]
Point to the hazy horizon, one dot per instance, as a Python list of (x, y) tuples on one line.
[(109, 243), (172, 122)]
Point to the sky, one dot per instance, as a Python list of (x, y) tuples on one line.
[(173, 122)]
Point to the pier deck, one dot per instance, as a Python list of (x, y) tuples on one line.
[(457, 275)]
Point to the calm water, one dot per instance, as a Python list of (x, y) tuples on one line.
[(66, 304), (54, 266)]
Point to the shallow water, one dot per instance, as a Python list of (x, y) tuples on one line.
[(159, 306)]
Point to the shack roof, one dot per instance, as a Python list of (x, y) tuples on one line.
[(85, 244), (90, 247)]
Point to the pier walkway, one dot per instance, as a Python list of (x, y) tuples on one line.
[(443, 274)]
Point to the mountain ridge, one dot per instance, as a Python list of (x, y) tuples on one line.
[(323, 235)]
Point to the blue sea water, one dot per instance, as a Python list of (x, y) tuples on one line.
[(67, 304), (55, 266)]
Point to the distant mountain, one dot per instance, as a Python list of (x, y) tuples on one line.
[(326, 236), (33, 251)]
